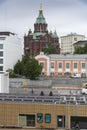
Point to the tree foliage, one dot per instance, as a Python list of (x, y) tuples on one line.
[(50, 50), (81, 50), (11, 73), (32, 69), (28, 67), (19, 68)]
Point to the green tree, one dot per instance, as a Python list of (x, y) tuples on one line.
[(32, 69), (85, 48), (19, 68), (50, 50), (81, 50), (25, 59), (28, 67)]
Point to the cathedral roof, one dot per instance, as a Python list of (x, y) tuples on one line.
[(36, 36), (53, 35), (40, 18)]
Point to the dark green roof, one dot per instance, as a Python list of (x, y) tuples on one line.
[(36, 36), (40, 18), (53, 35)]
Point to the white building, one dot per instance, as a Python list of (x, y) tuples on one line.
[(4, 82), (10, 50), (68, 41)]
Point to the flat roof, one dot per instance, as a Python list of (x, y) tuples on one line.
[(6, 33)]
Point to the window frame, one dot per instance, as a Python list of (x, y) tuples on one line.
[(52, 65), (1, 46), (75, 65), (39, 115), (1, 68), (67, 65), (1, 61), (60, 65), (47, 118), (1, 53), (42, 64), (84, 65)]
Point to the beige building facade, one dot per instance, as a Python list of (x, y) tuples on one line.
[(42, 112), (68, 41), (56, 65)]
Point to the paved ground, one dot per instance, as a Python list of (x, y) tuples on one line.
[(55, 90)]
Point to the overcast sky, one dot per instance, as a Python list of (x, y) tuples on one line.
[(64, 16)]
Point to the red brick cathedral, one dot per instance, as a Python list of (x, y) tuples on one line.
[(35, 42)]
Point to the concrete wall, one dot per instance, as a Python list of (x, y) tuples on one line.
[(16, 82)]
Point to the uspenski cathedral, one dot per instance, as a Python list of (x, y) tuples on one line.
[(35, 42)]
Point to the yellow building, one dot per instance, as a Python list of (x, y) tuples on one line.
[(21, 111)]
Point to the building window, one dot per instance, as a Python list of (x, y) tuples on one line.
[(39, 117), (2, 38), (52, 64), (47, 118), (52, 74), (1, 61), (83, 65), (1, 53), (61, 121), (75, 65), (42, 64), (67, 65), (60, 74), (42, 74), (1, 68), (60, 65), (75, 39), (27, 120), (1, 46)]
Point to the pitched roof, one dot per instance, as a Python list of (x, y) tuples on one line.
[(37, 35), (73, 56), (53, 35)]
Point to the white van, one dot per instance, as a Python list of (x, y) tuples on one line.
[(76, 76), (84, 90)]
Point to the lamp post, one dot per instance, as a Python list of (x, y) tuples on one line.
[(55, 111), (66, 125), (76, 109), (86, 67)]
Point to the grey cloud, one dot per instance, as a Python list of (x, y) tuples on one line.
[(60, 14)]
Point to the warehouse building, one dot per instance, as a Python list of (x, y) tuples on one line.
[(21, 111)]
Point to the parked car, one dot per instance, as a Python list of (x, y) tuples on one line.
[(84, 90), (76, 76)]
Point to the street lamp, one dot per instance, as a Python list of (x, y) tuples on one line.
[(55, 110), (66, 115)]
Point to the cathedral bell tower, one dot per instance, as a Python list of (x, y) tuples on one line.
[(40, 24)]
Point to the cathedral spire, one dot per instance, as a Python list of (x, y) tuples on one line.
[(40, 8), (40, 24)]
